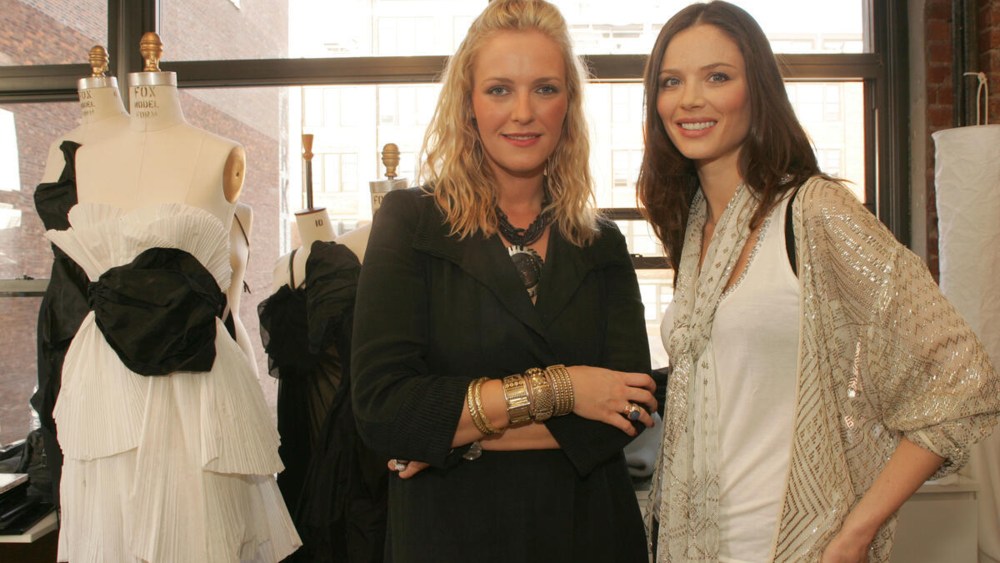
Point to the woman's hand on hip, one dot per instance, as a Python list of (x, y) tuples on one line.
[(844, 548), (611, 396)]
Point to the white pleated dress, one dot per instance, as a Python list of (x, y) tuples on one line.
[(177, 468)]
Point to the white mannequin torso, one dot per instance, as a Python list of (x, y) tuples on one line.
[(160, 158), (357, 239), (312, 225), (102, 115)]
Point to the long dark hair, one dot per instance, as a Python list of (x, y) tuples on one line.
[(776, 155)]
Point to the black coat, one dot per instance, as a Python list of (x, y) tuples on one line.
[(434, 312)]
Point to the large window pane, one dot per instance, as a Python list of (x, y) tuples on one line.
[(26, 133), (221, 30), (51, 31), (18, 372), (833, 115), (194, 30), (657, 290)]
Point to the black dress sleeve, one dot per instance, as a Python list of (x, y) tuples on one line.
[(402, 409)]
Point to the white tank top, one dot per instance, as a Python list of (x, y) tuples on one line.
[(755, 339)]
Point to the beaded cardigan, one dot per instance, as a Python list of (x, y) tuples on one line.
[(882, 355)]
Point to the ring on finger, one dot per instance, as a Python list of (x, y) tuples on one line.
[(400, 464), (632, 411)]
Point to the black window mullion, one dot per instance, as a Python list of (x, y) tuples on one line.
[(892, 111), (127, 21)]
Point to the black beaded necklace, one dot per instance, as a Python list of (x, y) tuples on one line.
[(522, 237), (526, 260)]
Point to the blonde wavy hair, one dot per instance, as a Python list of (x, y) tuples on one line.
[(455, 165)]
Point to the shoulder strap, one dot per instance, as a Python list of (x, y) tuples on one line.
[(291, 268), (790, 233), (242, 230), (246, 286)]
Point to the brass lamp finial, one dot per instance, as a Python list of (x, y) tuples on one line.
[(98, 56), (390, 158), (151, 49)]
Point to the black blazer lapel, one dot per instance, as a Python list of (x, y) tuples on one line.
[(484, 259), (565, 268)]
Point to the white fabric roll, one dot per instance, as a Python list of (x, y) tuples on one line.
[(967, 184)]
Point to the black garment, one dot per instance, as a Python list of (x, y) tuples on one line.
[(434, 312), (63, 307), (158, 312), (333, 485)]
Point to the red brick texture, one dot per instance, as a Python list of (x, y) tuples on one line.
[(940, 98)]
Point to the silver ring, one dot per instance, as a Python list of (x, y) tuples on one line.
[(632, 411), (400, 464)]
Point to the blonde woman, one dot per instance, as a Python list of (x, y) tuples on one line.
[(500, 357)]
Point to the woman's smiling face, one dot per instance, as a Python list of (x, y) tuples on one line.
[(519, 100), (703, 100)]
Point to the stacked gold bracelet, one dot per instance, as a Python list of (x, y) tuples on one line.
[(474, 400), (562, 388), (515, 392), (540, 395)]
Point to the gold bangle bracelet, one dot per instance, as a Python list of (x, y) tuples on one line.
[(515, 392), (474, 400), (562, 386), (540, 394)]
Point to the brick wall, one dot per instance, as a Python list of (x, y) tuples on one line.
[(988, 24), (940, 98), (28, 36)]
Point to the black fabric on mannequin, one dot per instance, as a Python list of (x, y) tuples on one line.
[(63, 307), (158, 312), (334, 486)]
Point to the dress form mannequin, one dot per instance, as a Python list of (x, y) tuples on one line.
[(357, 239), (170, 447), (312, 225), (333, 484), (101, 112), (65, 302), (143, 165)]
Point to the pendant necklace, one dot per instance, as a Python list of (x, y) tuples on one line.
[(526, 260)]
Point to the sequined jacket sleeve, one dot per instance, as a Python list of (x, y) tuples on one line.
[(909, 363), (882, 355)]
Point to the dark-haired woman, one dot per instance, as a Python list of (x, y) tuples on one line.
[(819, 376)]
